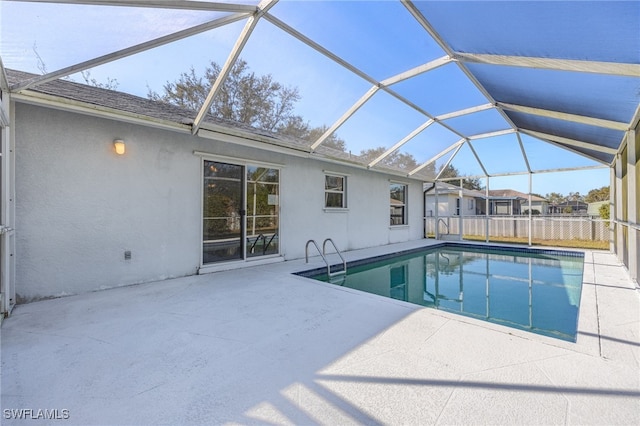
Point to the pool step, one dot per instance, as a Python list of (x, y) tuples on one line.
[(338, 279), (450, 237)]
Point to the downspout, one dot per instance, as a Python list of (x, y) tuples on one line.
[(530, 209), (424, 210), (486, 213), (461, 214)]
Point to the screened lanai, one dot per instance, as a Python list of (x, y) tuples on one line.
[(498, 90)]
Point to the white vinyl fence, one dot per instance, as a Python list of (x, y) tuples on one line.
[(542, 227)]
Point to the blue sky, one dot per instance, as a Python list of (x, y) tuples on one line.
[(391, 42)]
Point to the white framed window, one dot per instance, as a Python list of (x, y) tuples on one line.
[(398, 204), (335, 191), (472, 203)]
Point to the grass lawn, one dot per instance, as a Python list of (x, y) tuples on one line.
[(583, 244)]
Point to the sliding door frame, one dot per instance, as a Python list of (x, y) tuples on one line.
[(203, 156)]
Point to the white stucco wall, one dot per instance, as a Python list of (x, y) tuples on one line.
[(79, 206), (447, 205)]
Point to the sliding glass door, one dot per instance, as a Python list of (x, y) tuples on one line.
[(263, 193), (222, 228), (240, 212)]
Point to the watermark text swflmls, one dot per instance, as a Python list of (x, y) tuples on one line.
[(35, 414)]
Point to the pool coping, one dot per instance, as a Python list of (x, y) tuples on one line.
[(588, 340), (354, 263)]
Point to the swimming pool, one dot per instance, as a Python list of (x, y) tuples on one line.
[(529, 289)]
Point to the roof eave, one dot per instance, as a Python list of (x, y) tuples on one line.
[(208, 130)]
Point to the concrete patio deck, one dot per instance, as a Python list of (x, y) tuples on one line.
[(261, 346)]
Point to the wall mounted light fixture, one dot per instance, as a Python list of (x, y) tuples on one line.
[(119, 146)]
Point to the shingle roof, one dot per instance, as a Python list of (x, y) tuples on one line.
[(447, 188), (127, 103), (106, 98), (494, 193), (510, 193)]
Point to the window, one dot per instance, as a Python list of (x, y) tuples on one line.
[(398, 194), (457, 206), (335, 192), (471, 204)]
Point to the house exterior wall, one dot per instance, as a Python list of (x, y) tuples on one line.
[(447, 205), (468, 206), (504, 207), (79, 206), (541, 207)]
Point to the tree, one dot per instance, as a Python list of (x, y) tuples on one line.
[(395, 159), (555, 197), (448, 172), (111, 84), (472, 183), (599, 194), (575, 196), (258, 101), (467, 183), (605, 212), (297, 128)]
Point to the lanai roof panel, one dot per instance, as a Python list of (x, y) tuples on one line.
[(608, 97), (379, 40), (581, 30), (598, 136)]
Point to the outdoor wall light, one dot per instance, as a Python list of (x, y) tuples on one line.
[(119, 146)]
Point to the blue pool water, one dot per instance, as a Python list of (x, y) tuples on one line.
[(534, 290)]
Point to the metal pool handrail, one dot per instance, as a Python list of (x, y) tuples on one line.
[(322, 254)]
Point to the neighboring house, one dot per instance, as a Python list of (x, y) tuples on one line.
[(593, 209), (511, 202), (501, 201), (473, 202), (175, 204), (569, 207)]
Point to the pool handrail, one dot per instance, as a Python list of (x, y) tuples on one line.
[(322, 254), (446, 225)]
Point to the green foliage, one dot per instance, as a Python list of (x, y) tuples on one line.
[(599, 194), (301, 130), (605, 212), (244, 97), (467, 183), (574, 196), (555, 197), (594, 195), (396, 159), (448, 172)]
